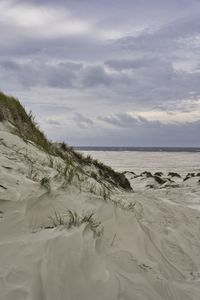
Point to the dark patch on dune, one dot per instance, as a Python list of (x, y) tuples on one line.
[(136, 176), (3, 187), (147, 174), (115, 178), (174, 174), (158, 174), (170, 180), (150, 186), (160, 180), (8, 168), (128, 172), (188, 176)]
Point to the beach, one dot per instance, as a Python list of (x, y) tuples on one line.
[(141, 244)]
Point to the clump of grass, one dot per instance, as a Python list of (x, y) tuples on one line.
[(70, 172), (174, 174), (115, 178), (66, 148), (12, 110), (101, 190), (1, 116), (71, 219), (94, 175), (50, 160), (106, 173), (159, 179), (59, 166), (33, 172), (147, 174), (188, 176), (160, 174), (93, 188), (58, 220), (105, 193), (88, 160), (63, 146), (45, 182)]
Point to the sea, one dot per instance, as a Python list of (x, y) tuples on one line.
[(153, 159), (143, 149)]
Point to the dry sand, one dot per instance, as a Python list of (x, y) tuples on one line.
[(149, 248)]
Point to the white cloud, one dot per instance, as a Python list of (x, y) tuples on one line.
[(169, 116), (43, 20)]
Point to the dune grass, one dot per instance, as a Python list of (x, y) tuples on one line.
[(12, 110), (71, 219), (27, 128)]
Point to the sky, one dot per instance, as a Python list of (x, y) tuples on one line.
[(105, 73)]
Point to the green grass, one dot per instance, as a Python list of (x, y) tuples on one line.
[(12, 110), (27, 128), (71, 219)]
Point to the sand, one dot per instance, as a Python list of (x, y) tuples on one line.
[(148, 247)]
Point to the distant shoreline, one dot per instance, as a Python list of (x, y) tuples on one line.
[(140, 149)]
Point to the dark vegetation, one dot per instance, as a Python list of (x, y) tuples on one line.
[(158, 174), (72, 219), (147, 174), (159, 180), (105, 172), (150, 186), (129, 172), (26, 127), (188, 176), (174, 174)]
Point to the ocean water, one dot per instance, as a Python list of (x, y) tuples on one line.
[(141, 149), (138, 161)]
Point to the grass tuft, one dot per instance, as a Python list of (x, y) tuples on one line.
[(71, 219)]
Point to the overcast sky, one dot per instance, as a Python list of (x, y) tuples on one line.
[(105, 72)]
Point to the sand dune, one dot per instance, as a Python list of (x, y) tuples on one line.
[(146, 247)]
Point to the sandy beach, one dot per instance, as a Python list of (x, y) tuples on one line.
[(146, 246)]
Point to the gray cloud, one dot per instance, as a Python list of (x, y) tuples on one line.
[(35, 73), (125, 120), (121, 120), (122, 131), (95, 75), (164, 39), (152, 81), (82, 121), (141, 131), (102, 58), (53, 122), (130, 64)]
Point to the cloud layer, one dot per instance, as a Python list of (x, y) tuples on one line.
[(105, 72)]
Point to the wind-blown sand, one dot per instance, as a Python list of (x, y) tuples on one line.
[(149, 247)]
